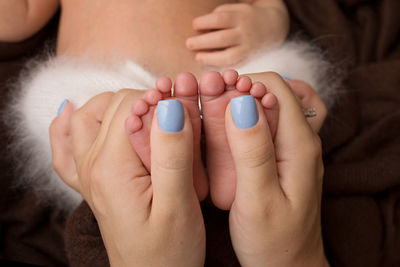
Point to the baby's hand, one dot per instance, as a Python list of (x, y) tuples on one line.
[(232, 31)]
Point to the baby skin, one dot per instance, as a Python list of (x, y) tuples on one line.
[(216, 91), (192, 34)]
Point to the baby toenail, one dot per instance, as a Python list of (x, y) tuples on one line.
[(244, 111), (170, 115)]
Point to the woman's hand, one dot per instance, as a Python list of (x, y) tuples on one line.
[(232, 31), (144, 220), (275, 217)]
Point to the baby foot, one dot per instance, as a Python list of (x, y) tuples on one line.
[(215, 93), (139, 124)]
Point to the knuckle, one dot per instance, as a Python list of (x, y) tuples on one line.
[(129, 94), (77, 119), (260, 210), (123, 92), (258, 155), (176, 163), (107, 94), (313, 148), (274, 76)]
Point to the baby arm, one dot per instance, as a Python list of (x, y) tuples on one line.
[(20, 19), (232, 31)]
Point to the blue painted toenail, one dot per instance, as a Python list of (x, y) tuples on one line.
[(170, 115), (244, 111), (62, 106)]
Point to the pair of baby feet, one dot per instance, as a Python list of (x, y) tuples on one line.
[(216, 91)]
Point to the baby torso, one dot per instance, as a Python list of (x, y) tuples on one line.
[(149, 32)]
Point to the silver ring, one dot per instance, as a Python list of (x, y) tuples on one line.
[(308, 113)]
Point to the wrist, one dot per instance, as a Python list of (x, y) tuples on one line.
[(312, 255), (314, 259)]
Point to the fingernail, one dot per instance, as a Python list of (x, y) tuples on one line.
[(170, 115), (62, 106), (244, 111), (286, 78)]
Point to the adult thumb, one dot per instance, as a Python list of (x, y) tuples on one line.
[(253, 152), (171, 142)]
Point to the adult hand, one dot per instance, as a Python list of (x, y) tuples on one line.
[(275, 217), (144, 220)]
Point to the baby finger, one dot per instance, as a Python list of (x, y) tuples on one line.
[(224, 58), (213, 21), (213, 40)]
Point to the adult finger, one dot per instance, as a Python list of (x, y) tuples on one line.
[(60, 139), (116, 171), (310, 100), (86, 123), (297, 146), (290, 112)]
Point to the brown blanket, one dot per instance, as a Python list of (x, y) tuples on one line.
[(361, 139)]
